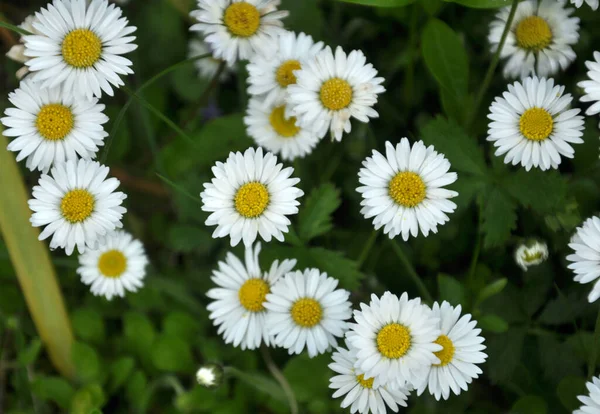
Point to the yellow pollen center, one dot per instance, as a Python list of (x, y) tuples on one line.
[(536, 124), (533, 33), (285, 73), (242, 19), (447, 352), (251, 199), (393, 340), (363, 382), (336, 94), (307, 312), (286, 127), (81, 48), (253, 294), (77, 205), (532, 257), (112, 264), (54, 121), (407, 189)]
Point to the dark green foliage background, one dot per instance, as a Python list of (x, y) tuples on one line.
[(139, 355)]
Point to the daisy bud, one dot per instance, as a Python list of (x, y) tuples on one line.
[(530, 254), (210, 376)]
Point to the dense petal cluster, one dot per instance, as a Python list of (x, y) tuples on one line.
[(586, 255)]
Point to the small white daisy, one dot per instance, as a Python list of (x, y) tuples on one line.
[(269, 75), (238, 306), (395, 339), (329, 90), (236, 29), (17, 51), (210, 376), (307, 311), (79, 46), (208, 66), (404, 191), (591, 402), (540, 38), (250, 195), (116, 266), (360, 395), (530, 254), (461, 351), (51, 126), (586, 258), (77, 205), (272, 129), (592, 3), (592, 86), (533, 125)]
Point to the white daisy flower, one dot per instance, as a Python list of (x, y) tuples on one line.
[(530, 254), (17, 51), (591, 402), (461, 351), (238, 306), (586, 258), (540, 38), (236, 29), (77, 205), (250, 195), (592, 86), (272, 129), (208, 66), (51, 126), (395, 339), (592, 3), (360, 395), (116, 266), (533, 125), (329, 90), (79, 46), (269, 75), (307, 311), (404, 191), (210, 376)]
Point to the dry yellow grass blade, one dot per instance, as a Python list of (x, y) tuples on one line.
[(32, 264)]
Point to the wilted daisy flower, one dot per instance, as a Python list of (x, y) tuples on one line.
[(329, 90), (395, 340), (271, 74), (236, 29), (461, 351), (238, 306), (540, 38), (591, 402), (586, 259), (116, 266), (307, 311), (360, 395), (51, 126), (79, 46), (592, 86), (272, 129), (77, 205), (250, 195), (531, 254), (404, 191), (208, 66), (210, 376), (17, 51), (533, 125)]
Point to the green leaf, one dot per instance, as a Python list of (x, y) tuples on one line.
[(187, 238), (308, 377), (557, 359), (120, 370), (492, 289), (380, 3), (136, 387), (499, 218), (54, 389), (567, 391), (139, 333), (172, 354), (87, 400), (563, 310), (505, 354), (314, 217), (481, 4), (530, 404), (29, 355), (88, 325), (542, 191), (492, 323), (260, 382), (182, 325), (451, 289), (86, 361)]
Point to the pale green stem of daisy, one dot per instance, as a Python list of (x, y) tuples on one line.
[(180, 189), (477, 250), (14, 28), (412, 272), (594, 350), (278, 375), (367, 249), (36, 277)]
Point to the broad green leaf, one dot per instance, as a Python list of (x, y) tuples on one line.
[(314, 217), (187, 238), (172, 354), (530, 404), (86, 361), (542, 191), (505, 353), (492, 323), (88, 325), (139, 333), (55, 389), (481, 4), (87, 400), (305, 16), (380, 3), (260, 382), (120, 370), (557, 359), (451, 289), (567, 391), (29, 355), (308, 377), (136, 386), (499, 218), (182, 325), (492, 289), (200, 398), (563, 310), (467, 187)]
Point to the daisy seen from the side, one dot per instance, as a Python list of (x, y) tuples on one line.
[(586, 255), (17, 51)]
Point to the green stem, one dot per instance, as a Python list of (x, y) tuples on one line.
[(278, 375), (411, 271), (477, 250), (594, 351), (15, 28), (367, 248), (180, 189)]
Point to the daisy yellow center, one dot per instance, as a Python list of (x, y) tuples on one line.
[(77, 205), (285, 73), (336, 94), (533, 33), (54, 121), (532, 257), (253, 293), (286, 127), (81, 48), (242, 19), (407, 189), (112, 263), (393, 340), (363, 382), (447, 352), (251, 199), (307, 312), (536, 124)]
